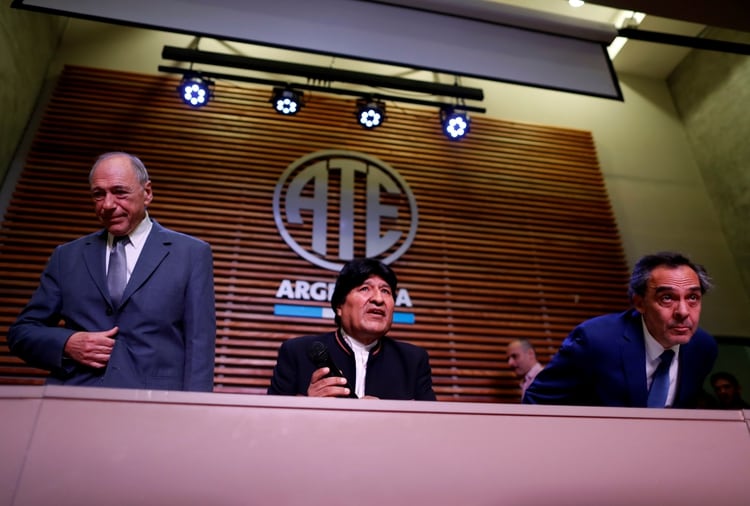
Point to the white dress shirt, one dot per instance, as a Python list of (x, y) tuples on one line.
[(528, 378), (134, 247), (361, 356)]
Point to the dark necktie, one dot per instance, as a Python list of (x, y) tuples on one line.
[(117, 274), (657, 396)]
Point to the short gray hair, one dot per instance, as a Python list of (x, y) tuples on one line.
[(138, 166)]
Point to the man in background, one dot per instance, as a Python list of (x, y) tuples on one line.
[(652, 355), (522, 359), (129, 306), (370, 363), (728, 391)]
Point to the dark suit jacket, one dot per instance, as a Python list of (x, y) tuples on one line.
[(166, 318), (603, 363), (395, 370)]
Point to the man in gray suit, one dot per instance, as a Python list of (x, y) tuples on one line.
[(150, 323)]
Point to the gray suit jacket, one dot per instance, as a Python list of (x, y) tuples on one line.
[(166, 318)]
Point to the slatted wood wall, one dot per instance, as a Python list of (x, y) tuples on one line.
[(516, 234)]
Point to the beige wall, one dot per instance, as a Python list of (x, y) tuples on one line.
[(655, 185), (656, 188), (713, 97), (27, 42)]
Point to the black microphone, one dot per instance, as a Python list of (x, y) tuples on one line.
[(318, 353)]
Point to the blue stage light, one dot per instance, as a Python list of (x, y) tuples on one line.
[(370, 113), (286, 101), (195, 90), (456, 123)]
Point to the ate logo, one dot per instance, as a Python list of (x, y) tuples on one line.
[(332, 206)]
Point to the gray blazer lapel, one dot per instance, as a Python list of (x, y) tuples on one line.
[(155, 250), (93, 258)]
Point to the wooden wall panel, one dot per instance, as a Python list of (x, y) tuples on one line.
[(516, 234)]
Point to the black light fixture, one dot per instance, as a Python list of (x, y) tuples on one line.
[(195, 90), (455, 122), (286, 100), (370, 112), (321, 74)]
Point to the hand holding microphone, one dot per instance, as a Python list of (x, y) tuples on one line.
[(331, 384)]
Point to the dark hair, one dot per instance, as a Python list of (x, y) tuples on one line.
[(721, 375), (646, 264), (356, 272)]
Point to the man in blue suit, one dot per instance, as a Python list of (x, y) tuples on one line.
[(615, 359), (159, 332)]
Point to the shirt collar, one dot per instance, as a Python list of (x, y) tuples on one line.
[(653, 348), (533, 371), (138, 236), (356, 345)]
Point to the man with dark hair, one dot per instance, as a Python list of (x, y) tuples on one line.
[(371, 363), (728, 391), (653, 355), (136, 300)]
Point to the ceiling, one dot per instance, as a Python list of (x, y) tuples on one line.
[(676, 17), (648, 59), (732, 14)]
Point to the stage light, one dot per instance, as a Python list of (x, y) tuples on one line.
[(286, 101), (370, 113), (195, 90), (456, 123)]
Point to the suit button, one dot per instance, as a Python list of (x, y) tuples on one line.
[(109, 311)]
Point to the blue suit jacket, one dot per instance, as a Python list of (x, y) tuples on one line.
[(395, 369), (603, 363), (166, 318)]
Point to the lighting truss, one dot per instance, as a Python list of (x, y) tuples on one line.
[(454, 126)]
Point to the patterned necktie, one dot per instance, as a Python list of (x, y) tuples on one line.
[(657, 396), (117, 275)]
